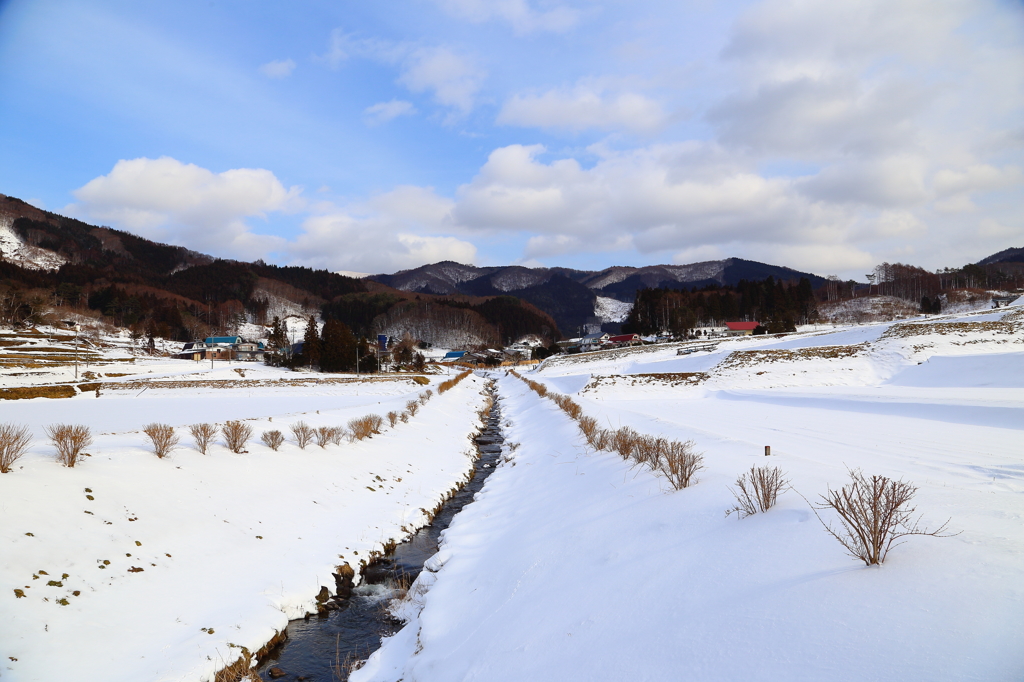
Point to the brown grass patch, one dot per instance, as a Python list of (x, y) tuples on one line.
[(27, 392)]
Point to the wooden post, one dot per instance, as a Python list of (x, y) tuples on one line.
[(767, 450)]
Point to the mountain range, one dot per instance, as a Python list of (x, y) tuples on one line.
[(571, 296)]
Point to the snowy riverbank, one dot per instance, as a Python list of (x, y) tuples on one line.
[(231, 546), (575, 564)]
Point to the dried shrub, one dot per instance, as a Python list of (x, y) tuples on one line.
[(69, 440), (603, 439), (452, 383), (428, 393), (375, 421), (14, 441), (404, 417), (423, 398), (273, 439), (236, 435), (588, 426), (163, 438), (571, 408), (323, 435), (303, 433), (360, 428), (412, 407), (680, 463), (623, 441), (873, 513), (757, 490), (337, 433), (650, 450), (203, 435), (392, 418)]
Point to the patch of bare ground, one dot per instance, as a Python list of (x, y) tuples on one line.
[(906, 330), (649, 379), (746, 358)]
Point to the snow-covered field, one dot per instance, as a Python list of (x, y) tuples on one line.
[(576, 565), (139, 568)]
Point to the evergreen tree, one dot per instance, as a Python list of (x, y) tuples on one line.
[(338, 347), (311, 343)]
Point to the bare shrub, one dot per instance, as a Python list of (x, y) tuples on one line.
[(236, 435), (423, 398), (650, 450), (429, 393), (303, 433), (273, 439), (203, 435), (873, 513), (69, 440), (757, 490), (603, 439), (623, 441), (163, 438), (412, 407), (375, 421), (360, 428), (323, 435), (337, 433), (572, 408), (14, 441), (588, 427), (680, 463), (392, 418), (404, 417)]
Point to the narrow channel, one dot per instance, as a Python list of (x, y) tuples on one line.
[(318, 648)]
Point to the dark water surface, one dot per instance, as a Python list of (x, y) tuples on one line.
[(318, 647)]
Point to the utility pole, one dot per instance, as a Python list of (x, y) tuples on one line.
[(77, 328)]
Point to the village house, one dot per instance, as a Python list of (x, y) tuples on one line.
[(741, 328)]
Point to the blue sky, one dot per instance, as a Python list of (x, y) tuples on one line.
[(372, 137)]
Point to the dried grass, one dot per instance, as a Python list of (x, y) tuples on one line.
[(69, 440), (236, 435), (203, 435), (162, 437), (303, 433), (680, 463), (588, 426), (623, 441), (757, 490), (14, 440), (273, 439)]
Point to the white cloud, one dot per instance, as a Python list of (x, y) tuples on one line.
[(519, 13), (278, 69), (584, 108), (382, 112), (166, 200), (453, 79)]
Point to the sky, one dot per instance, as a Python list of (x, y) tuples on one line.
[(828, 136)]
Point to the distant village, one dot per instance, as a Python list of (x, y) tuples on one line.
[(385, 350)]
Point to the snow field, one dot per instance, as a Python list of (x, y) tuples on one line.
[(230, 546), (573, 564)]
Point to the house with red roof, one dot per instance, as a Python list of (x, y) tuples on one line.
[(625, 340), (740, 328)]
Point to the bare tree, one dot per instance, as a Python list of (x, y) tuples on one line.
[(14, 440), (236, 435), (203, 435), (757, 490), (163, 438), (303, 433), (873, 513), (69, 440)]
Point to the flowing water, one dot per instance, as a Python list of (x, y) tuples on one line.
[(318, 647)]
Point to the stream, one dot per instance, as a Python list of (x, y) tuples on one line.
[(319, 648)]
